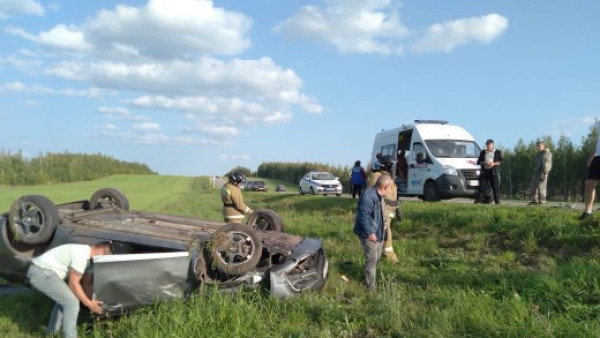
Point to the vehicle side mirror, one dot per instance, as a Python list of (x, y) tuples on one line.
[(420, 157)]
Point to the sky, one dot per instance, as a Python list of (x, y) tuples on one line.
[(198, 87)]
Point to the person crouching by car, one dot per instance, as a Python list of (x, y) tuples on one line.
[(47, 274), (234, 208), (368, 226)]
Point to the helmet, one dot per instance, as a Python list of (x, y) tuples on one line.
[(387, 162), (237, 177)]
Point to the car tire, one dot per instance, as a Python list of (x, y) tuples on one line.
[(300, 191), (265, 219), (109, 198), (311, 191), (431, 192), (32, 219), (235, 249)]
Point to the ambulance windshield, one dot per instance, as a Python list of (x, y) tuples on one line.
[(453, 148)]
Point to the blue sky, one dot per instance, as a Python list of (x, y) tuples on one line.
[(196, 87)]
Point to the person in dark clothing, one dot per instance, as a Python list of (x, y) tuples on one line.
[(358, 178), (368, 226), (490, 160)]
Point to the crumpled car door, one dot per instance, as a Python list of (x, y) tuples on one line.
[(125, 282)]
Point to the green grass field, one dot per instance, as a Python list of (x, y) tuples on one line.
[(464, 271)]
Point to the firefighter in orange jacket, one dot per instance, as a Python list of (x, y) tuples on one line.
[(234, 208), (387, 166)]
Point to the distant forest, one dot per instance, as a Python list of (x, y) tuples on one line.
[(15, 169), (566, 181)]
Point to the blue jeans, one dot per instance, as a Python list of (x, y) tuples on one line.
[(66, 309), (372, 251)]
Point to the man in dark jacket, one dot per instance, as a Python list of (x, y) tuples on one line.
[(368, 226), (489, 159)]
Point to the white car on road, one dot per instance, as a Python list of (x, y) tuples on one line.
[(320, 182)]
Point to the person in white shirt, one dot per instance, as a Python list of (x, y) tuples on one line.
[(48, 273)]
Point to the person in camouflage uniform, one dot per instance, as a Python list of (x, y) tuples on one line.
[(234, 208), (539, 182), (387, 166)]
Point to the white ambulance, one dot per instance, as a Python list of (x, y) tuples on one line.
[(441, 159)]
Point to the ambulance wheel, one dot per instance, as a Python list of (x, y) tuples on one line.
[(431, 192)]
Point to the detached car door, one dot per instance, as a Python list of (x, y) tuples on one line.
[(126, 282)]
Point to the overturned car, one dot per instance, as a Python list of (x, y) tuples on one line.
[(158, 256)]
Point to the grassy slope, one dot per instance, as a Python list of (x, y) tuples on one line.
[(465, 270)]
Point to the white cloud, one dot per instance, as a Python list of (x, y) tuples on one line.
[(24, 61), (145, 127), (120, 113), (352, 26), (18, 86), (132, 53), (149, 31), (63, 37), (146, 138), (13, 86), (573, 126), (18, 7), (235, 157), (451, 34), (223, 131), (374, 26), (278, 117), (109, 127), (38, 89)]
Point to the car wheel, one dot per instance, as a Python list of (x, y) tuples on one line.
[(431, 193), (265, 219), (32, 219), (109, 198), (338, 195), (235, 249), (311, 191), (300, 191)]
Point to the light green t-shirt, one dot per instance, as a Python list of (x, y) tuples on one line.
[(61, 258)]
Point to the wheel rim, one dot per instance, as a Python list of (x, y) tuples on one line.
[(263, 224), (106, 202), (234, 248), (30, 218)]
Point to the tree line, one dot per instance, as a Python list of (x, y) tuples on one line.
[(16, 169), (565, 182)]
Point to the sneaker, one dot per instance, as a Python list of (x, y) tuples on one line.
[(533, 203), (584, 216)]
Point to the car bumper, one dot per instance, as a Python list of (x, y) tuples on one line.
[(328, 191), (456, 186)]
